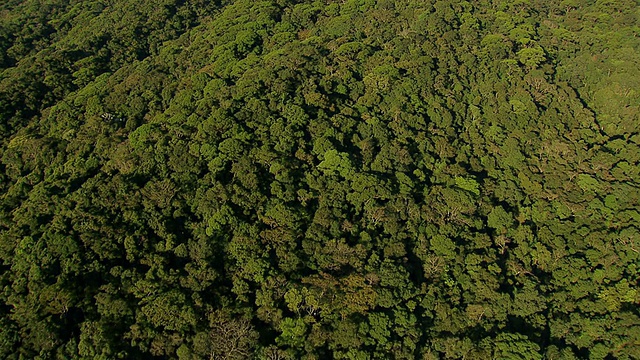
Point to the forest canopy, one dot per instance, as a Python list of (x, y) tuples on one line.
[(292, 179)]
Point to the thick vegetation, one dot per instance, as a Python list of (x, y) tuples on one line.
[(356, 179)]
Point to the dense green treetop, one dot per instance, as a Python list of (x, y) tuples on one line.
[(358, 179)]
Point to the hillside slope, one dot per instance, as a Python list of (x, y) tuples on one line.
[(297, 179)]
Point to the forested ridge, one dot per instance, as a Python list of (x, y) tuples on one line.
[(290, 179)]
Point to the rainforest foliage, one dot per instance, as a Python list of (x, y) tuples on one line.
[(290, 179)]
